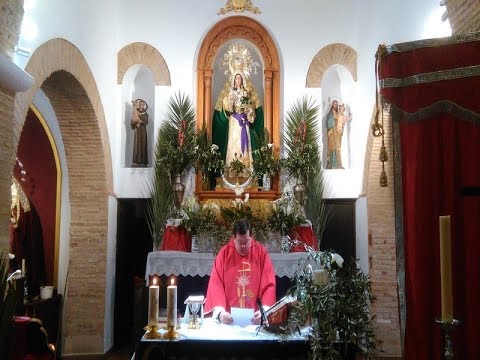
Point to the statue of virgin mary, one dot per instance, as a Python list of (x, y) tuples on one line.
[(238, 114)]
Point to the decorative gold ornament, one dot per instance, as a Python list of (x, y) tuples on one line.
[(239, 6), (377, 127), (237, 60)]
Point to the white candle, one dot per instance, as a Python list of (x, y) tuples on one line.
[(446, 269), (153, 296), (172, 305), (23, 267)]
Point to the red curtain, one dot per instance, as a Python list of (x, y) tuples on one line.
[(440, 154)]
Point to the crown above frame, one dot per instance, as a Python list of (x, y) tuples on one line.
[(237, 60)]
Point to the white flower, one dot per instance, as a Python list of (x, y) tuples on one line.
[(270, 146), (214, 148), (247, 196), (337, 259)]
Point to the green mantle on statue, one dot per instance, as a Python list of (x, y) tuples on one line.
[(220, 130)]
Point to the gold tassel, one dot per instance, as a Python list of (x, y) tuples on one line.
[(383, 177), (383, 153)]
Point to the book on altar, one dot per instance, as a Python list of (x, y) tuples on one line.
[(277, 314)]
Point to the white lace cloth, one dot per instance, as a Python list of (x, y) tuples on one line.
[(185, 263)]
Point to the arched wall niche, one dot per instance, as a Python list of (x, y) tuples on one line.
[(329, 55), (137, 83), (239, 27), (141, 53)]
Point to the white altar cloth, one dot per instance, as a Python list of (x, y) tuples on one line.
[(213, 330), (185, 263)]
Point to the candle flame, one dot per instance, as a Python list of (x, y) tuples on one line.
[(172, 281), (154, 281)]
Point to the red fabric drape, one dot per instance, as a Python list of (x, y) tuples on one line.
[(176, 238), (439, 156)]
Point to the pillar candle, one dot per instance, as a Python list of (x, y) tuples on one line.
[(446, 269), (153, 296), (172, 305)]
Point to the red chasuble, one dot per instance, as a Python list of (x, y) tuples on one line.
[(238, 281)]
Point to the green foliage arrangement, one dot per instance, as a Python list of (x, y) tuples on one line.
[(264, 161), (286, 214), (208, 159), (339, 312), (301, 134), (176, 140), (8, 302), (204, 222), (160, 207), (236, 166)]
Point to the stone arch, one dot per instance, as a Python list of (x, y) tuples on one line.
[(330, 55), (141, 53), (61, 71)]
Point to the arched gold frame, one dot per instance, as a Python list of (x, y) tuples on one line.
[(251, 30)]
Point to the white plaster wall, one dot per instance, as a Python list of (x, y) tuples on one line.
[(300, 29)]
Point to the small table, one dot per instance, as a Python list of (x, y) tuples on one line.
[(214, 341)]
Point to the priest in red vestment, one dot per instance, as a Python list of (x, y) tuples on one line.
[(241, 274)]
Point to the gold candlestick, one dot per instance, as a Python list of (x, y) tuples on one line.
[(152, 332), (171, 334), (447, 328)]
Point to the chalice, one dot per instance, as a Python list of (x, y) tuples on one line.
[(193, 321)]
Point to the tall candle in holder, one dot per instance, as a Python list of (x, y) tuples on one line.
[(446, 269), (172, 305), (153, 296)]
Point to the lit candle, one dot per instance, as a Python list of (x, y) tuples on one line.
[(446, 269), (171, 304), (153, 296)]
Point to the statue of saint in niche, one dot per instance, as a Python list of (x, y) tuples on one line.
[(335, 121), (238, 112), (138, 124)]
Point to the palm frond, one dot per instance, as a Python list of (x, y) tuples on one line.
[(315, 209), (305, 111), (176, 140)]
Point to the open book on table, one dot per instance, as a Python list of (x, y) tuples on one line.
[(277, 314)]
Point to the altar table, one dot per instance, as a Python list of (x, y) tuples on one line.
[(193, 271), (181, 263), (219, 341)]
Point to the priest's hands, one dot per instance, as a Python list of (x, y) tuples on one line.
[(257, 317), (225, 317)]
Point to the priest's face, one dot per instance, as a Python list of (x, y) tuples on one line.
[(243, 243)]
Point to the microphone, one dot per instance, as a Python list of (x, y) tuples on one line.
[(263, 316)]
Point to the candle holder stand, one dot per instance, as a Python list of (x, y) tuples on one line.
[(152, 332), (447, 328), (171, 334)]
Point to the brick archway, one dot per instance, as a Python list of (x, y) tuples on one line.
[(61, 71), (330, 55), (141, 53)]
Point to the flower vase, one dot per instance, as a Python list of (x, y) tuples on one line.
[(178, 191), (266, 182), (286, 244), (299, 192), (274, 242), (205, 183), (195, 248)]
